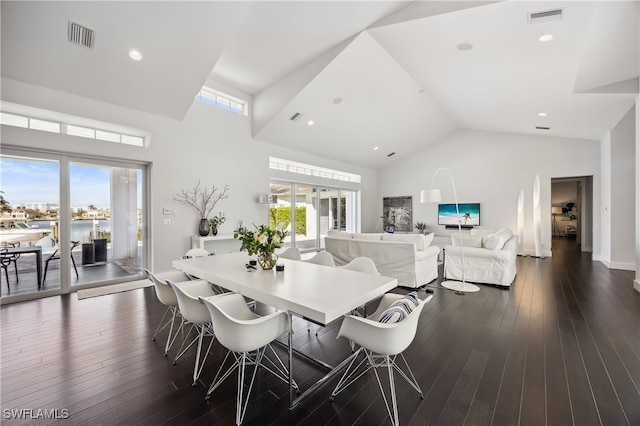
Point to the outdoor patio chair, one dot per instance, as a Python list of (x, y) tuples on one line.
[(56, 256)]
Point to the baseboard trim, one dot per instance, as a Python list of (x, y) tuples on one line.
[(532, 253), (625, 266), (636, 285)]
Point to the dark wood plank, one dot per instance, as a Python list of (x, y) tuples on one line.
[(559, 347)]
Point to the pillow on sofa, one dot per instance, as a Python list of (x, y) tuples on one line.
[(491, 241), (466, 240), (428, 238), (399, 309), (504, 235), (415, 239), (482, 231)]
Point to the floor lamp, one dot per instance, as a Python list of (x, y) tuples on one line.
[(434, 196)]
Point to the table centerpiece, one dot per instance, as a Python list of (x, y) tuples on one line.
[(263, 241)]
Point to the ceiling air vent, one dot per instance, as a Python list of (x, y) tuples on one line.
[(545, 16), (391, 154), (542, 128), (296, 116), (81, 35)]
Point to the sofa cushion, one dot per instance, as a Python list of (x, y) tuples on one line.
[(399, 309), (416, 239), (339, 234), (466, 240), (376, 237)]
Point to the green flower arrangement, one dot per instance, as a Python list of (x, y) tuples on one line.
[(422, 227), (217, 220), (263, 242)]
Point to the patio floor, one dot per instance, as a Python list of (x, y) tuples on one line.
[(27, 279)]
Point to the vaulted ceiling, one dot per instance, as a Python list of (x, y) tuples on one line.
[(392, 75)]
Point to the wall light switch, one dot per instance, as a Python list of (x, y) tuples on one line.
[(167, 221), (166, 211)]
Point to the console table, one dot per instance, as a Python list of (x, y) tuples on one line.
[(198, 241)]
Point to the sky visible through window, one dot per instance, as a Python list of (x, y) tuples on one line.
[(29, 181)]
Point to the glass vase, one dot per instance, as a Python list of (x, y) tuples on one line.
[(267, 260), (204, 228)]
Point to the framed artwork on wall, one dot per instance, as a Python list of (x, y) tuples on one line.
[(397, 211)]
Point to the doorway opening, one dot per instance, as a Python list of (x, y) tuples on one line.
[(572, 212)]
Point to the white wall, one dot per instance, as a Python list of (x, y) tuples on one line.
[(491, 168), (622, 189), (636, 282), (210, 145)]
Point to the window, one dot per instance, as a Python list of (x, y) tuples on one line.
[(36, 119), (222, 100), (311, 170), (308, 212)]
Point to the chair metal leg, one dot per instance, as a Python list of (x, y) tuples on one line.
[(182, 349), (74, 265), (241, 407), (46, 266), (15, 265), (196, 370), (171, 337), (374, 362), (241, 362), (6, 274)]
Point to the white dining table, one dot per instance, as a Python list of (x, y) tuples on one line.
[(318, 293)]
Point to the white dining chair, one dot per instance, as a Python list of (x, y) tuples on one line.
[(362, 264), (167, 297), (197, 314), (197, 252), (382, 343), (322, 258), (291, 253), (366, 265), (247, 336)]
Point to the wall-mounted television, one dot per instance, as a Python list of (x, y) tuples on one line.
[(469, 214)]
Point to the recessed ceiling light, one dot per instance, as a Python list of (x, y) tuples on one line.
[(310, 123), (545, 37), (135, 55), (375, 148), (542, 114), (464, 47), (337, 101)]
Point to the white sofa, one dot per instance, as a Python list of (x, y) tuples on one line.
[(489, 257), (408, 257)]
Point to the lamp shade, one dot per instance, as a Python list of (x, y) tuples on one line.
[(556, 210), (430, 196)]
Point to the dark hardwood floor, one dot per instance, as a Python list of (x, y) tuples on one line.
[(561, 347)]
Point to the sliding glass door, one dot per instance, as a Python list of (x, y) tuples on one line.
[(309, 212), (106, 221), (29, 237), (88, 215)]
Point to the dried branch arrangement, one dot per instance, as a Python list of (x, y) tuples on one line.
[(203, 200)]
